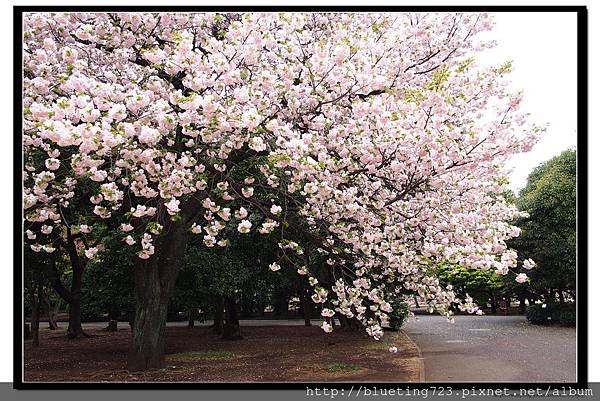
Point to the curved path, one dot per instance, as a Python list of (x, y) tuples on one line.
[(493, 348)]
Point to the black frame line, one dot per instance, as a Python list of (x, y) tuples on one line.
[(582, 216)]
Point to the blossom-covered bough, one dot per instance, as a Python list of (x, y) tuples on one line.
[(375, 139)]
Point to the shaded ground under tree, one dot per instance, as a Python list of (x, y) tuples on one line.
[(275, 353)]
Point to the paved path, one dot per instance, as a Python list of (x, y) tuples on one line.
[(493, 348)]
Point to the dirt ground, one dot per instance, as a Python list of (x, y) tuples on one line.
[(266, 354)]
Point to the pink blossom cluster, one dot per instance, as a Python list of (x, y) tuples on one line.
[(378, 132)]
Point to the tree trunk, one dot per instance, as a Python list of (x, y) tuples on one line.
[(231, 329), (113, 325), (113, 320), (281, 304), (191, 317), (549, 296), (355, 324), (493, 305), (52, 324), (131, 319), (35, 316), (27, 331), (416, 301), (51, 311), (154, 281), (72, 296), (522, 305), (349, 324), (75, 329), (218, 318), (306, 306), (147, 340)]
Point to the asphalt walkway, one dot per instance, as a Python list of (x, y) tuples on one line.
[(493, 348)]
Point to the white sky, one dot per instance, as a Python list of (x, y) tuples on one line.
[(543, 47)]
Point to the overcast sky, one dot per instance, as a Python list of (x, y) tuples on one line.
[(543, 47)]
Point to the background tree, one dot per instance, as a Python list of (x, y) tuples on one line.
[(107, 290), (549, 235), (486, 287), (72, 236), (38, 273), (191, 294)]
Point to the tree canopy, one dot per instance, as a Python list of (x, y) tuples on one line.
[(549, 232), (360, 136)]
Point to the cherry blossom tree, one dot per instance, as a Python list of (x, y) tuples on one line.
[(70, 240), (375, 138)]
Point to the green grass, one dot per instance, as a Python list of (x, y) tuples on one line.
[(337, 367), (377, 345), (209, 355)]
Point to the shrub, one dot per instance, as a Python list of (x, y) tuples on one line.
[(399, 315), (536, 314), (563, 314)]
